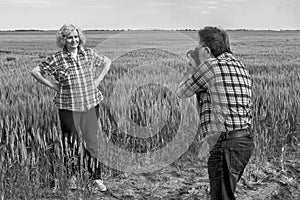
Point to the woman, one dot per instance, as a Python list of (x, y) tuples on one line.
[(77, 95)]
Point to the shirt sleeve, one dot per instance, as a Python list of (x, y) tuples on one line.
[(48, 66), (197, 82), (98, 59)]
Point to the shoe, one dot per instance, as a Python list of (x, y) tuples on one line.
[(72, 183), (100, 185)]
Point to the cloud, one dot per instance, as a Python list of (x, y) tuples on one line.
[(4, 2), (210, 2), (147, 11), (264, 14), (28, 2), (161, 3), (234, 1), (256, 14), (31, 3), (57, 3)]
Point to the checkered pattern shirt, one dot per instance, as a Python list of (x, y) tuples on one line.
[(77, 91), (223, 89)]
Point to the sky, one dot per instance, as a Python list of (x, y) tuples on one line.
[(150, 14)]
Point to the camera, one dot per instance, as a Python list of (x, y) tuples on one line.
[(195, 55)]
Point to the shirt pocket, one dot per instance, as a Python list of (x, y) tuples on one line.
[(87, 65), (88, 69), (62, 72)]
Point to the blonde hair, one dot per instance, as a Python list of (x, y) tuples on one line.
[(64, 31)]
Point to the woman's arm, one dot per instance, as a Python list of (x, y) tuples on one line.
[(36, 73), (106, 67)]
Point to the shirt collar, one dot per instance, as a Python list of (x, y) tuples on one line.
[(80, 51), (225, 55)]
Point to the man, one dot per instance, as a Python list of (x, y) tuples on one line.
[(223, 89), (77, 94)]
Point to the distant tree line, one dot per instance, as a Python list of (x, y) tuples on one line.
[(186, 29)]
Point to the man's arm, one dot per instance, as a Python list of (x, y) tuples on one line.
[(37, 74), (197, 82), (182, 90)]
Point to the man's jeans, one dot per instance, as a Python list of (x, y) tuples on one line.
[(226, 164)]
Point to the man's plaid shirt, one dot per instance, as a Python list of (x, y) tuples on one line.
[(223, 89), (77, 91)]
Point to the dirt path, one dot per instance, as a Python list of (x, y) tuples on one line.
[(188, 180)]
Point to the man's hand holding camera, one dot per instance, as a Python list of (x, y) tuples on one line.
[(194, 61)]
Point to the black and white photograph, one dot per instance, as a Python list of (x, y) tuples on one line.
[(149, 100)]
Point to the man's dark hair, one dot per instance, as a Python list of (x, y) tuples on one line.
[(216, 39)]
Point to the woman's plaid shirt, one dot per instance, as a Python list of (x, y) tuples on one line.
[(223, 89), (77, 91)]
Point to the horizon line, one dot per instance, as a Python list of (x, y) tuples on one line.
[(145, 29)]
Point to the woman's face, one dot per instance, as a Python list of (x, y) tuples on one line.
[(72, 40)]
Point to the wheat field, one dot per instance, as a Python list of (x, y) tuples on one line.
[(29, 125)]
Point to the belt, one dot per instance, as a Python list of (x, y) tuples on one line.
[(234, 134)]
